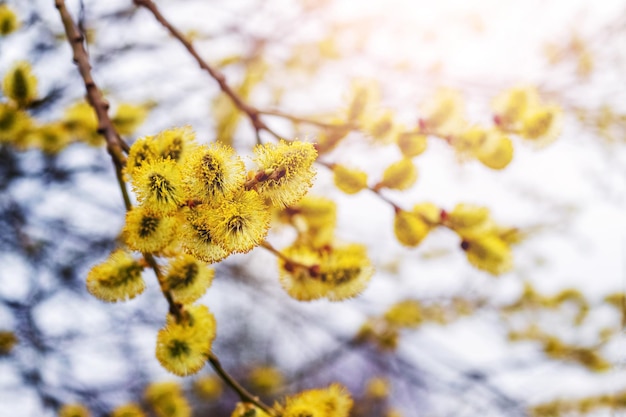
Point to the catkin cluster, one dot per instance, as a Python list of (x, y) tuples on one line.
[(196, 205)]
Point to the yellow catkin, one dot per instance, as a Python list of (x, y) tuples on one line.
[(50, 138), (512, 105), (8, 20), (240, 222), (73, 410), (296, 280), (334, 401), (489, 253), (159, 187), (399, 175), (248, 410), (469, 219), (468, 142), (183, 346), (412, 144), (197, 240), (365, 96), (208, 387), (187, 278), (377, 388), (266, 379), (15, 124), (407, 314), (116, 279), (346, 271), (542, 125), (285, 171), (128, 410), (80, 120), (142, 151), (496, 152), (335, 273), (128, 117), (166, 400), (329, 139), (443, 111), (382, 128), (410, 228), (145, 231), (348, 180), (212, 173), (8, 340), (20, 84), (176, 144), (315, 219)]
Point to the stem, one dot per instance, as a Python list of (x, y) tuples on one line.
[(250, 111), (297, 119), (244, 395), (374, 189), (115, 144), (122, 184), (175, 309), (279, 254)]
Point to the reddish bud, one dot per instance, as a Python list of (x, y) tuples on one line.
[(261, 176), (314, 270)]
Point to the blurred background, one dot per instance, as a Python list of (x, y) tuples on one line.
[(544, 338)]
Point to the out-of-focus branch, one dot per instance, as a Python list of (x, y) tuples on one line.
[(252, 113), (307, 120), (115, 144), (374, 190)]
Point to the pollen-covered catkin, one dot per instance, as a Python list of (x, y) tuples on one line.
[(188, 278), (349, 180), (286, 171), (183, 346), (20, 84), (116, 279)]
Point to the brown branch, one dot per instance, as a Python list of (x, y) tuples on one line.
[(375, 190), (115, 144), (244, 395), (305, 120), (252, 113), (175, 309)]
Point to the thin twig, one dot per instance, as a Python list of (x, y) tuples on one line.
[(374, 190), (175, 309), (244, 395), (305, 120), (252, 113), (94, 95)]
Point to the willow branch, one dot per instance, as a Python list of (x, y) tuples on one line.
[(374, 190), (306, 120), (252, 113), (175, 309), (244, 395), (115, 144)]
